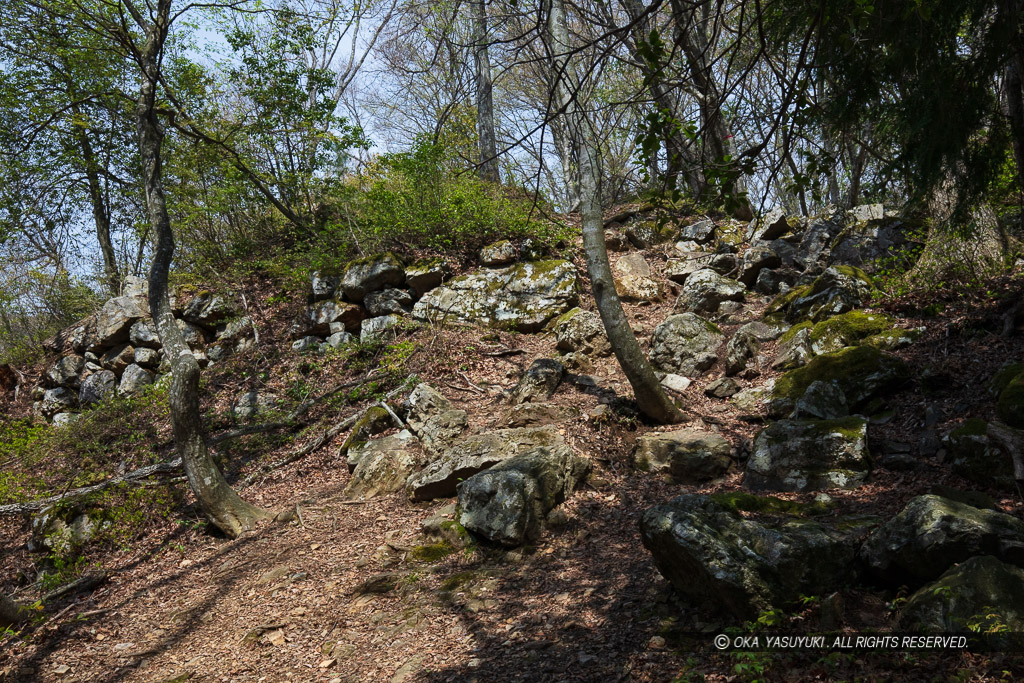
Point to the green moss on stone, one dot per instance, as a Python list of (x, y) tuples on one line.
[(782, 301), (457, 581), (792, 332), (848, 367), (1010, 406), (741, 501), (1004, 376), (972, 427), (851, 327), (431, 552)]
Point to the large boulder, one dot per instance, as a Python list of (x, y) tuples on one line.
[(323, 284), (388, 301), (679, 269), (817, 237), (209, 309), (66, 372), (433, 418), (633, 281), (973, 454), (322, 315), (794, 348), (980, 594), (745, 345), (701, 232), (874, 241), (59, 400), (770, 226), (96, 387), (134, 380), (713, 555), (476, 453), (523, 297), (848, 329), (118, 358), (383, 465), (838, 290), (425, 274), (689, 456), (861, 372), (754, 261), (685, 344), (508, 503), (809, 455), (581, 331), (381, 327), (370, 274), (252, 404), (114, 321), (705, 289), (498, 254), (373, 421), (143, 334), (932, 533), (539, 381)]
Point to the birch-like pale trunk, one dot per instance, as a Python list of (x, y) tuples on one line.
[(488, 168), (650, 396)]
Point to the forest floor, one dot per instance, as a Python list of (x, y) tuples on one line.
[(352, 591)]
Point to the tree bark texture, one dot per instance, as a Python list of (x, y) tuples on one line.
[(650, 396), (484, 100), (216, 498)]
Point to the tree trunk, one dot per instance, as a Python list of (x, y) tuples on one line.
[(484, 101), (650, 397), (217, 499), (100, 215)]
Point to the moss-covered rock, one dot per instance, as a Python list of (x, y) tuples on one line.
[(838, 290), (425, 274), (523, 297), (713, 555), (383, 465), (374, 421), (975, 456), (742, 501), (847, 329), (1010, 406), (685, 344), (980, 594), (370, 274), (1003, 376), (689, 456), (861, 372), (809, 455), (932, 533), (896, 338)]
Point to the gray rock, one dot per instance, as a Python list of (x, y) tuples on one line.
[(253, 403), (539, 414), (867, 212), (770, 226), (863, 373), (822, 401), (975, 455), (868, 243), (114, 321), (932, 533), (794, 351), (143, 334), (433, 419), (817, 238), (723, 387), (705, 289), (307, 344), (66, 419), (66, 372), (753, 399), (674, 382), (701, 232), (134, 380), (373, 421), (370, 274), (339, 339), (713, 555), (323, 284), (838, 290), (615, 241), (96, 387), (235, 330), (633, 281), (379, 328), (755, 260), (643, 234), (582, 332), (133, 286), (981, 592), (689, 263), (508, 503), (384, 465), (476, 453), (387, 302), (688, 455), (323, 314), (51, 532), (195, 336), (498, 254), (523, 297), (743, 347), (118, 358), (215, 352), (82, 336), (539, 381), (809, 455), (685, 344), (426, 274), (59, 400), (208, 309)]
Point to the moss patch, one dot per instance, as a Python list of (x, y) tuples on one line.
[(737, 501), (793, 331), (1004, 376), (1010, 406), (860, 371), (778, 305), (431, 552), (848, 328), (972, 427), (457, 581)]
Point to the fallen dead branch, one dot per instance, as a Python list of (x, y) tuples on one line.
[(87, 582)]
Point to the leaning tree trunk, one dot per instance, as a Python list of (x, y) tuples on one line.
[(217, 499), (484, 99), (650, 396)]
